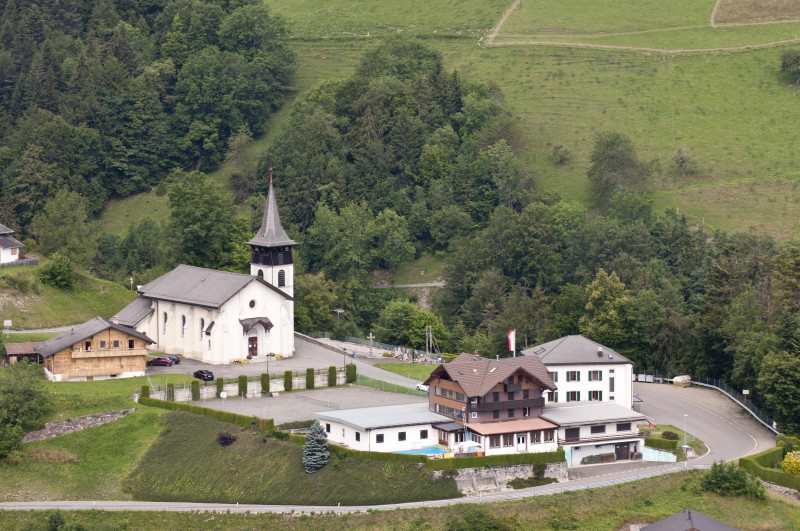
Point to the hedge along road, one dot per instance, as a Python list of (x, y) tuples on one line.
[(712, 418)]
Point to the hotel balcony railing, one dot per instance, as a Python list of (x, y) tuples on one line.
[(601, 437)]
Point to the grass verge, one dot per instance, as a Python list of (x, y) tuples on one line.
[(414, 371), (389, 387)]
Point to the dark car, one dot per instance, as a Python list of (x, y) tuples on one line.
[(175, 359), (206, 376), (161, 360)]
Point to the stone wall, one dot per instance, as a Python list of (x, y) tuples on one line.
[(473, 481), (63, 427)]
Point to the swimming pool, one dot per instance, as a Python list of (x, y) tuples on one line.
[(428, 450)]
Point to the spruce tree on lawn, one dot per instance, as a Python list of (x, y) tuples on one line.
[(315, 450)]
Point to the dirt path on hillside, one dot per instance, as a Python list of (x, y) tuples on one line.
[(516, 3)]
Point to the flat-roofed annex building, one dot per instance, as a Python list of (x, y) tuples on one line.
[(95, 350), (383, 428)]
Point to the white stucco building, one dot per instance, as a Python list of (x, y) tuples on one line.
[(10, 247), (585, 371), (218, 316), (384, 428)]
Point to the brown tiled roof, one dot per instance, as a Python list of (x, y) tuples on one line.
[(510, 426), (477, 376), (15, 349)]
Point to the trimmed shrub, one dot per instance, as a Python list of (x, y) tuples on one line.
[(145, 391), (287, 381), (225, 438), (496, 460), (661, 444), (791, 463), (309, 378), (331, 376), (243, 421), (171, 392), (242, 385), (196, 390), (278, 434), (220, 386), (762, 465), (351, 373), (732, 480), (670, 436), (265, 383)]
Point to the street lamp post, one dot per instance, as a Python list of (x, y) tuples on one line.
[(686, 458)]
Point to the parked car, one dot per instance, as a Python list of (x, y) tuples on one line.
[(175, 359), (161, 361), (206, 376), (422, 387)]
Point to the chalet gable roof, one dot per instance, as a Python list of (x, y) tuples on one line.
[(81, 332), (271, 233), (5, 230), (477, 376), (199, 286), (575, 350)]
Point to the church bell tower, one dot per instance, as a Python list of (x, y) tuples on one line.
[(271, 257)]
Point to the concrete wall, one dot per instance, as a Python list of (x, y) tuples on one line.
[(473, 481), (661, 456)]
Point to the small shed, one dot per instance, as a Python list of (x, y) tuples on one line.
[(14, 352)]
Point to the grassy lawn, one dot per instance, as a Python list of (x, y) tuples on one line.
[(32, 337), (187, 463), (426, 268), (389, 387), (30, 304), (697, 445), (610, 508), (89, 464), (119, 214), (415, 371)]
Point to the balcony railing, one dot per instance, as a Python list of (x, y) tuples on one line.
[(604, 437), (107, 353), (508, 404)]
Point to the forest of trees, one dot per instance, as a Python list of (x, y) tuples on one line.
[(103, 98)]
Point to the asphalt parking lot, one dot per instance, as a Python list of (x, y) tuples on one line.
[(301, 405)]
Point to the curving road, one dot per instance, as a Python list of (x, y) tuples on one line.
[(711, 417)]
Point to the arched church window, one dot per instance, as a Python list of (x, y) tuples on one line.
[(260, 274), (281, 278)]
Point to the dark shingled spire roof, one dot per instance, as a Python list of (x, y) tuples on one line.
[(271, 233)]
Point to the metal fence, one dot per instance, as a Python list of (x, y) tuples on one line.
[(759, 414)]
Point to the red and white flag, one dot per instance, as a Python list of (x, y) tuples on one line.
[(512, 340)]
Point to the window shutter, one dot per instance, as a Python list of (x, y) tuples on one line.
[(601, 375), (567, 397), (578, 375), (578, 396), (601, 396), (590, 396), (556, 397)]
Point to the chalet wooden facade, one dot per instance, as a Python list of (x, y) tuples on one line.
[(95, 350), (14, 352)]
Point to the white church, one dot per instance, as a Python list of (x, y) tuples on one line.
[(217, 316)]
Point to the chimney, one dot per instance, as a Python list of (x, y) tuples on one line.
[(115, 320), (599, 352)]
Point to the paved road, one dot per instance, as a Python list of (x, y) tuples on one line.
[(307, 355)]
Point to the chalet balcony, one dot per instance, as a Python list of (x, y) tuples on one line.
[(601, 438), (532, 403), (106, 353)]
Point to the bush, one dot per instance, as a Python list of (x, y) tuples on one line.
[(278, 434), (350, 375), (560, 154), (220, 386), (10, 438), (58, 272), (196, 390), (145, 391), (287, 381), (309, 378), (494, 460), (670, 436), (242, 385), (661, 444), (225, 438), (791, 463), (170, 392), (265, 383), (331, 376), (731, 480)]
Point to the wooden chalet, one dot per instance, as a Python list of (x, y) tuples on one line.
[(14, 352), (96, 349), (494, 403)]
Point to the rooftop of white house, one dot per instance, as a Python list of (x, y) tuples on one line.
[(575, 350), (371, 418), (588, 413)]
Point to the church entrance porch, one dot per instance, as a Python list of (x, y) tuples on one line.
[(252, 346)]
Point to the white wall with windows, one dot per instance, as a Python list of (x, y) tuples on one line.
[(391, 439), (602, 382)]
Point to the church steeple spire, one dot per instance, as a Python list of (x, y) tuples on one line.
[(271, 257)]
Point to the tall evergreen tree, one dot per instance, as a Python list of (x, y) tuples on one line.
[(315, 450)]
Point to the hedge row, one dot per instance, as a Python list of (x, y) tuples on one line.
[(761, 464), (309, 378), (195, 390), (331, 376), (350, 373), (496, 460), (243, 421), (661, 444), (786, 439)]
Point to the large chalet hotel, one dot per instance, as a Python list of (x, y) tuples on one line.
[(511, 405)]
